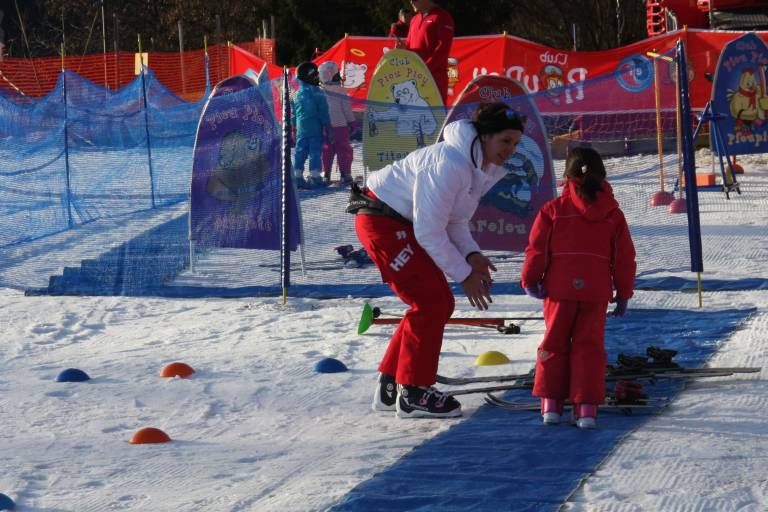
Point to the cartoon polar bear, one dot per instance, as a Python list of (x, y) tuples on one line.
[(354, 75), (411, 113)]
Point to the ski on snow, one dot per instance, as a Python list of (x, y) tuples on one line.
[(656, 364), (610, 403), (668, 375), (612, 373)]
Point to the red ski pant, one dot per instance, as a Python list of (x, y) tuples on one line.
[(414, 350), (571, 360)]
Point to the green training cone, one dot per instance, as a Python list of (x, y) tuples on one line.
[(366, 319)]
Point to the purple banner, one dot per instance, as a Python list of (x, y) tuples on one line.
[(236, 176)]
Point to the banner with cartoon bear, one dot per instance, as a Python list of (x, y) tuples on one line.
[(739, 95), (235, 191), (404, 110)]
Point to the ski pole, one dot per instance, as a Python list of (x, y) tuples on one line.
[(372, 316)]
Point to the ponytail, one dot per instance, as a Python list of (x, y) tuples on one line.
[(586, 166)]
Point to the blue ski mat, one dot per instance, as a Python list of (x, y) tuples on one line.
[(500, 460)]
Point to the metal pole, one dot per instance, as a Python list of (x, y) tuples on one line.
[(220, 75), (66, 142), (619, 23), (659, 133), (146, 124), (117, 63), (262, 41), (573, 33), (285, 248), (181, 58), (104, 44), (679, 131), (63, 31), (26, 44)]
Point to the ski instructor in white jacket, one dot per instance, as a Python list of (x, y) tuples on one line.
[(413, 220)]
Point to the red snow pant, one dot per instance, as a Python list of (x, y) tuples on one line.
[(341, 149), (571, 360), (414, 350)]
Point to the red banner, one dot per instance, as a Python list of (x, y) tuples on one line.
[(559, 75), (542, 68)]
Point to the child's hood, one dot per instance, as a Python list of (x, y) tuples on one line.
[(600, 209)]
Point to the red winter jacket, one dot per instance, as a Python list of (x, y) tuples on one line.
[(431, 37), (581, 251)]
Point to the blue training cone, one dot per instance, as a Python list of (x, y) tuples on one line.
[(72, 375), (330, 365), (6, 503)]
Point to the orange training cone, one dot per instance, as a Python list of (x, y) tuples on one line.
[(177, 370), (149, 435)]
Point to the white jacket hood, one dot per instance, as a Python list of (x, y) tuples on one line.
[(438, 188), (461, 135)]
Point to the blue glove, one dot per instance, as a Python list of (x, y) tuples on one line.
[(621, 307), (536, 291)]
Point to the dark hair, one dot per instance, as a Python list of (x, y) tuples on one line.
[(497, 117), (586, 165)]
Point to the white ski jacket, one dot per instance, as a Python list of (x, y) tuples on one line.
[(439, 188)]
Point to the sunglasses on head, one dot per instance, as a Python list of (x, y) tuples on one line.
[(513, 115)]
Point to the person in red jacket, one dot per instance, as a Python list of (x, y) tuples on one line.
[(579, 250), (399, 29), (430, 35)]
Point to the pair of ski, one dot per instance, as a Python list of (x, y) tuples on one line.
[(525, 380), (625, 407)]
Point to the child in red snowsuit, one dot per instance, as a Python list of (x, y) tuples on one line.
[(578, 251)]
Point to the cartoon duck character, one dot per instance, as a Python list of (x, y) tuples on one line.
[(746, 103), (453, 73)]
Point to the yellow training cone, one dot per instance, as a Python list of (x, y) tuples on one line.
[(491, 358)]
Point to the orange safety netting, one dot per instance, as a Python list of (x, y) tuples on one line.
[(181, 72)]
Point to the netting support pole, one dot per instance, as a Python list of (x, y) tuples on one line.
[(146, 125), (66, 148), (181, 58), (207, 66), (659, 134), (701, 302), (191, 251), (104, 45), (679, 131), (285, 150), (117, 55)]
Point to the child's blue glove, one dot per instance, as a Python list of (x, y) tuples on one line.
[(536, 291), (328, 135)]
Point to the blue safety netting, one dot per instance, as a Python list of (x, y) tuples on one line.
[(94, 190), (84, 152)]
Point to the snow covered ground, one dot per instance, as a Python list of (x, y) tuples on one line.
[(256, 429)]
